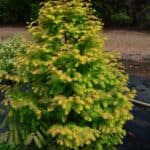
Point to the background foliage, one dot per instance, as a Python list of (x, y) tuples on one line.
[(17, 11), (8, 50), (126, 13)]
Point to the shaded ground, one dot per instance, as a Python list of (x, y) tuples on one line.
[(138, 131), (135, 50), (142, 87)]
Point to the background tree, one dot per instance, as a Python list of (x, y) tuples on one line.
[(124, 13)]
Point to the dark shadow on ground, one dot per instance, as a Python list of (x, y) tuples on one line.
[(138, 131)]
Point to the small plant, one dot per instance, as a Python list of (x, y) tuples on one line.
[(68, 93), (8, 50)]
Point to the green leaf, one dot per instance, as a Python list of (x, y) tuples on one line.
[(37, 142), (40, 136), (29, 139)]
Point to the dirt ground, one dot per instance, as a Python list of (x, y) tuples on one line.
[(6, 32), (131, 44), (134, 47)]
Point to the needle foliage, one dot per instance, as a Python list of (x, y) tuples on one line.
[(68, 93)]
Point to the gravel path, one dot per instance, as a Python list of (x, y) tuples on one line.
[(134, 47), (131, 44)]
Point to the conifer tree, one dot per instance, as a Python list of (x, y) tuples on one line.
[(68, 93)]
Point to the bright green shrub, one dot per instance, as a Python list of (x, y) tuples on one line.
[(68, 92)]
